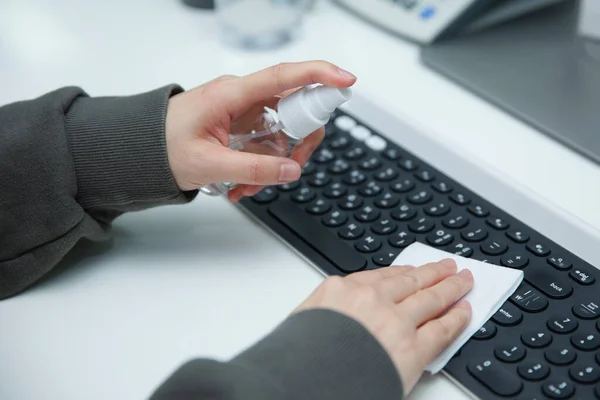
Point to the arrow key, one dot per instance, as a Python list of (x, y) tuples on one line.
[(536, 339)]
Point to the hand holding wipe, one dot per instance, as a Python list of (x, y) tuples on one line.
[(493, 286)]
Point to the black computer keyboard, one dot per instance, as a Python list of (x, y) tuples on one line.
[(362, 199)]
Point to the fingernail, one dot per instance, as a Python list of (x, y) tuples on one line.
[(449, 262), (465, 273), (464, 304), (346, 74), (289, 172)]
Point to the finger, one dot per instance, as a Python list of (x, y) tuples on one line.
[(250, 168), (282, 77), (309, 145), (437, 334), (399, 287), (240, 191), (428, 304), (372, 276)]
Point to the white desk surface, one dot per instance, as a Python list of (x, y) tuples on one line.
[(202, 280)]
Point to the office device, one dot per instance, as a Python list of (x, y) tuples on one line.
[(538, 69), (363, 198), (425, 21)]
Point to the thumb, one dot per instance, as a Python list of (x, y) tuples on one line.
[(253, 169)]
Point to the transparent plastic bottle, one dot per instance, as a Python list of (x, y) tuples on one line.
[(280, 132)]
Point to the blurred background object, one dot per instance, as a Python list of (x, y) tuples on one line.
[(260, 24), (208, 4), (589, 19)]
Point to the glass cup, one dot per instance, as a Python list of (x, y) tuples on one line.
[(260, 24)]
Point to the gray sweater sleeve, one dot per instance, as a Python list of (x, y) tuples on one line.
[(71, 164)]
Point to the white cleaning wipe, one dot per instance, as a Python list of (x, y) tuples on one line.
[(493, 286)]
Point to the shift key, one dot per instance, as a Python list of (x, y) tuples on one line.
[(550, 282), (328, 244)]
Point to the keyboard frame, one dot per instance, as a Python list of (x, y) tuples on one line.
[(473, 173)]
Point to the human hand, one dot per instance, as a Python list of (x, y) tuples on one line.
[(411, 311), (199, 121)]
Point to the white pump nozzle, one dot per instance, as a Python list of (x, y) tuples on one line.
[(308, 109)]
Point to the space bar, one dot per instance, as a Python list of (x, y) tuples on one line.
[(330, 246)]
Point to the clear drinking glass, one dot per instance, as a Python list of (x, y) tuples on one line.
[(260, 24)]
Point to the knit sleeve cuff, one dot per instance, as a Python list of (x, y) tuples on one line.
[(119, 151)]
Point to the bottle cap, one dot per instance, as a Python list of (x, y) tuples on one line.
[(310, 108)]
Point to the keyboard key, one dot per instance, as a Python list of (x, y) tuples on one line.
[(562, 324), (370, 189), (560, 356), (376, 143), (334, 219), (456, 221), (422, 225), (528, 299), (538, 249), (384, 227), (351, 231), (401, 239), (408, 165), (339, 167), (339, 143), (345, 123), (582, 276), (392, 154), (486, 332), (425, 175), (323, 156), (508, 315), (265, 196), (518, 236), (461, 249), (370, 164), (440, 238), (354, 153), (478, 211), (387, 200), (420, 197), (319, 207), (370, 244), (351, 202), (536, 339), (385, 258), (442, 187), (495, 377), (558, 389), (404, 213), (288, 187), (386, 175), (319, 179), (402, 186), (510, 353), (494, 247), (324, 242), (360, 133), (475, 235), (335, 191), (354, 178), (514, 259), (309, 168), (550, 282), (304, 195), (585, 373), (560, 263), (497, 223), (438, 210), (533, 370), (367, 214), (460, 199), (586, 309), (586, 341)]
